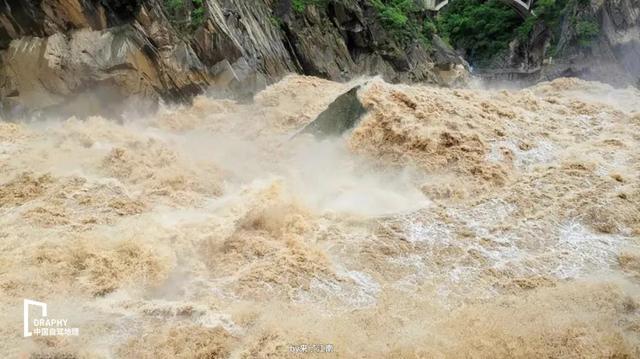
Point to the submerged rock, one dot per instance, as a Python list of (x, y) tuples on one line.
[(342, 115)]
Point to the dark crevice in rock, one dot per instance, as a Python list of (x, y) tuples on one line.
[(121, 11), (26, 16)]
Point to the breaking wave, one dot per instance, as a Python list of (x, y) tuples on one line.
[(449, 223)]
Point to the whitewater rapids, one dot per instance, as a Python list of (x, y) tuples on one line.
[(449, 223)]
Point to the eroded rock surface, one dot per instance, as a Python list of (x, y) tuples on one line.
[(612, 55), (53, 51)]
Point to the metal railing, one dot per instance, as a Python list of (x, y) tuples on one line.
[(523, 7), (433, 5)]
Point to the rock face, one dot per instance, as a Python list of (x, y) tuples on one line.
[(53, 51), (611, 56), (343, 114), (345, 38), (61, 49), (614, 56)]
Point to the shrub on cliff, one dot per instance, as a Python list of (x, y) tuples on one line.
[(185, 15), (404, 20), (481, 29)]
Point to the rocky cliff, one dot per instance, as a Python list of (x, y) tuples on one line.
[(612, 55), (595, 40), (59, 52)]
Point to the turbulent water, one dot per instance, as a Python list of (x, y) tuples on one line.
[(450, 223)]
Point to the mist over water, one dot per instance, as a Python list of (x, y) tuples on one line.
[(449, 223)]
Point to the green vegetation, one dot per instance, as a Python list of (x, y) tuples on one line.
[(174, 5), (275, 21), (550, 12), (401, 19), (300, 5), (481, 28), (394, 13), (485, 28), (429, 29), (197, 14), (185, 15), (587, 31)]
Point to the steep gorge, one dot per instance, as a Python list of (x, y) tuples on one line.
[(53, 51), (594, 40)]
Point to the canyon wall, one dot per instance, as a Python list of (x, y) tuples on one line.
[(56, 53)]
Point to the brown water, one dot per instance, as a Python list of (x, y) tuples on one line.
[(451, 223)]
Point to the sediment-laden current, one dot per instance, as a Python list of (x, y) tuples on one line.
[(449, 223)]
